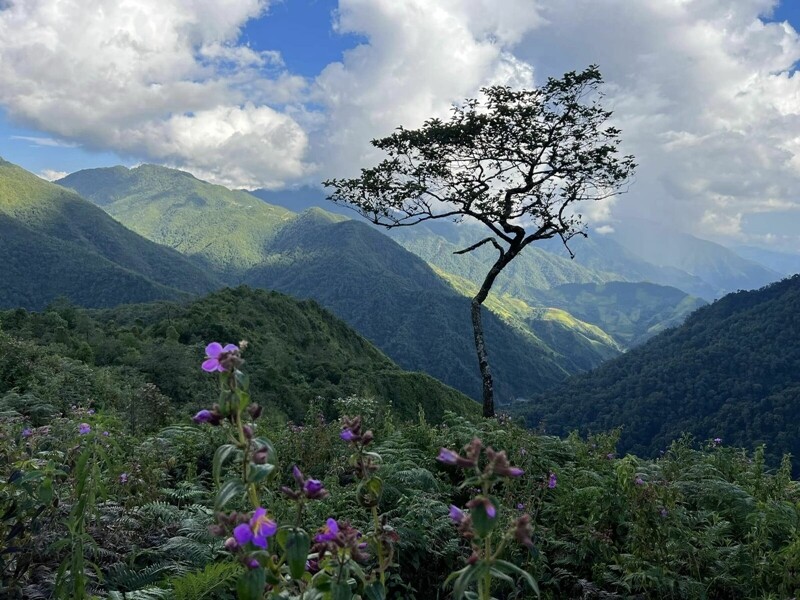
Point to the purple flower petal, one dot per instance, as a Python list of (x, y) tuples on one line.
[(491, 511), (26, 433), (242, 534), (347, 435), (84, 428), (552, 481), (447, 456), (515, 472), (210, 365), (204, 416), (231, 348), (456, 513), (214, 349)]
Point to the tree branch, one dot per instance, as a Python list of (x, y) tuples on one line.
[(481, 243)]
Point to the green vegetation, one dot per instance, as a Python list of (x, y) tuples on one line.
[(300, 353), (55, 243), (226, 230), (730, 371)]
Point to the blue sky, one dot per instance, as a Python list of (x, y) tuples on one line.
[(281, 93)]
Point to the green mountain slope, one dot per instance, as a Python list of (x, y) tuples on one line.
[(399, 303), (730, 371), (389, 295), (297, 352), (56, 243), (630, 312), (227, 230)]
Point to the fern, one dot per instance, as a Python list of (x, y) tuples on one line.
[(210, 582)]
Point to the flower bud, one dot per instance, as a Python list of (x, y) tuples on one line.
[(231, 545), (254, 410)]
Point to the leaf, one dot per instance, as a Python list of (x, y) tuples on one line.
[(341, 591), (512, 568), (230, 490), (298, 544), (375, 591), (251, 584), (222, 454), (258, 473)]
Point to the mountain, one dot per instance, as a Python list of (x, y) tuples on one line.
[(729, 371), (55, 243), (676, 254), (297, 352), (399, 303), (386, 293), (222, 229), (784, 263), (630, 312)]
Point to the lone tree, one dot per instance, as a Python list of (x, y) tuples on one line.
[(516, 163)]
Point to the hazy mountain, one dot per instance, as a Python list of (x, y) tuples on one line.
[(719, 267), (784, 263), (729, 371), (55, 243)]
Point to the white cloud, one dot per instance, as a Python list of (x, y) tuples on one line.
[(702, 89), (161, 80), (44, 141), (52, 175)]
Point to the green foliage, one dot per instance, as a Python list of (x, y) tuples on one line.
[(730, 371)]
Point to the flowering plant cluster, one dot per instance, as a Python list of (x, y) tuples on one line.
[(478, 524), (285, 559)]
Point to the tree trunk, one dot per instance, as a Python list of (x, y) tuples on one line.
[(483, 359)]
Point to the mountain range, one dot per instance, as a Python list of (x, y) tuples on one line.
[(729, 372)]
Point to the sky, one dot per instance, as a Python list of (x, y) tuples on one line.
[(281, 93)]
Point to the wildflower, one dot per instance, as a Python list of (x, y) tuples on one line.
[(520, 506), (717, 441), (212, 417), (123, 478), (663, 512), (347, 435), (552, 481), (447, 457), (252, 563), (610, 456), (260, 456), (257, 530), (84, 428), (314, 489), (231, 545), (523, 531), (106, 434), (216, 356), (523, 451), (456, 514), (91, 411), (26, 433), (498, 463), (638, 481), (329, 532)]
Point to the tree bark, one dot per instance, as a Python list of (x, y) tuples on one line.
[(483, 360)]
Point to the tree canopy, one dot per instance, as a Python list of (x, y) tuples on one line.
[(516, 161)]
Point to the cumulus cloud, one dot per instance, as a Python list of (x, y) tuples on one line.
[(162, 80), (704, 90)]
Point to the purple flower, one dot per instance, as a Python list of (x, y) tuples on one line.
[(105, 433), (84, 428), (456, 513), (520, 506), (610, 456), (213, 353), (552, 481), (491, 511), (347, 435), (298, 475), (252, 563), (26, 433), (313, 488), (663, 512), (123, 478), (447, 457), (638, 481), (257, 530), (717, 441), (329, 532), (91, 411), (523, 451), (515, 472)]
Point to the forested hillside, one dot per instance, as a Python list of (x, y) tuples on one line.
[(55, 243), (300, 353), (730, 371)]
